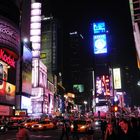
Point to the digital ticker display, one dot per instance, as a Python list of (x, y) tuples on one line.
[(100, 44)]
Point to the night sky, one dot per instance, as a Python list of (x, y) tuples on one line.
[(79, 14)]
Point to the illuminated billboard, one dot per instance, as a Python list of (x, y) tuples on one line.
[(99, 27), (78, 88), (22, 112), (26, 104), (117, 78), (102, 85), (100, 44), (7, 83), (7, 93), (26, 69)]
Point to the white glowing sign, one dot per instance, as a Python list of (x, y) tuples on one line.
[(117, 78)]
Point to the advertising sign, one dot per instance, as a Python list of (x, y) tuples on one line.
[(26, 69), (26, 104), (117, 78), (100, 44), (102, 85), (22, 112), (78, 88), (99, 27), (7, 88)]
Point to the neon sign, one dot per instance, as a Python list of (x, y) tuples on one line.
[(7, 58)]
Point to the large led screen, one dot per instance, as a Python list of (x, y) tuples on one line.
[(78, 88), (102, 85), (26, 104), (7, 84), (100, 44), (27, 70), (99, 27), (7, 93)]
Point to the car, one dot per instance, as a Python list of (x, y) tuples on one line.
[(83, 126), (28, 123), (97, 124), (43, 125), (3, 128)]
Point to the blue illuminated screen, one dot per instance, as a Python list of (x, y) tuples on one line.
[(99, 27), (100, 44)]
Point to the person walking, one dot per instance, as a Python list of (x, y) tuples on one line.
[(110, 133), (22, 134), (65, 130), (75, 130), (126, 132)]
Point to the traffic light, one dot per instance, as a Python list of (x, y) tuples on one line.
[(115, 108)]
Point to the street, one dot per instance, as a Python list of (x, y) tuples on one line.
[(49, 135)]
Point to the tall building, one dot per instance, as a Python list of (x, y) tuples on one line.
[(9, 55), (77, 76), (135, 18)]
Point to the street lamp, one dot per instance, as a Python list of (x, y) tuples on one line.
[(85, 103)]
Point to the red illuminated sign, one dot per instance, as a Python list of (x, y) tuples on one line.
[(7, 58)]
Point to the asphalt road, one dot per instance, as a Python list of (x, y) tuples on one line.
[(49, 135)]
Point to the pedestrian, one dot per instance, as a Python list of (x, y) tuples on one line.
[(103, 126), (126, 132), (110, 133), (75, 130), (65, 130), (22, 134)]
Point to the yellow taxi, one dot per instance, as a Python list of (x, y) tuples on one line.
[(42, 125), (27, 124), (83, 126)]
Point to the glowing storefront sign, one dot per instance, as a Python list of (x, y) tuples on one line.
[(7, 58), (9, 35), (117, 78)]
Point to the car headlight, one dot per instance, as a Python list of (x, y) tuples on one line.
[(72, 126), (40, 126), (2, 128), (82, 127), (96, 123), (25, 124)]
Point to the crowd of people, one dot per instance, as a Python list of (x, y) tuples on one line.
[(122, 129)]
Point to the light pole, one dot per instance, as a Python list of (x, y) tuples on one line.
[(85, 103)]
